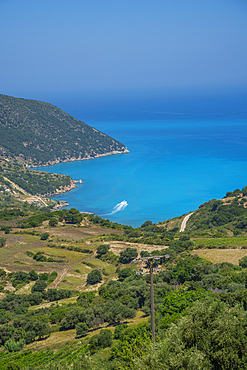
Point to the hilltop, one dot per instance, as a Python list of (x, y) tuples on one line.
[(39, 134)]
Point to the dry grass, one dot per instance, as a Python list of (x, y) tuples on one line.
[(117, 247), (221, 255), (77, 233), (54, 339)]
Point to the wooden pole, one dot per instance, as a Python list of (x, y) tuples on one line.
[(152, 299)]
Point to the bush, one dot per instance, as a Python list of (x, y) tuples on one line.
[(81, 329), (123, 274), (39, 286), (53, 222), (128, 255), (40, 257), (13, 346), (243, 262), (102, 249), (94, 277), (6, 229), (105, 338), (44, 236), (119, 329), (2, 241)]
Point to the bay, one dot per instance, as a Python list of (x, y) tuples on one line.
[(174, 165)]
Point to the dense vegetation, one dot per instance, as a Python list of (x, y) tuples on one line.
[(29, 181), (221, 217), (40, 133), (200, 306)]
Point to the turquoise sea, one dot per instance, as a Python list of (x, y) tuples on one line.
[(183, 152)]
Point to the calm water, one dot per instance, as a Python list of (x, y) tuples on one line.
[(176, 161)]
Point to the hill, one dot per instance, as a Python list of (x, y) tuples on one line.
[(73, 298), (41, 134), (226, 216)]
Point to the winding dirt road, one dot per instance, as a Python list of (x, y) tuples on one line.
[(183, 225)]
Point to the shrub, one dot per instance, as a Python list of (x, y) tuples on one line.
[(119, 329), (94, 277), (81, 329), (53, 222), (128, 255), (40, 257), (2, 241), (243, 262), (39, 286), (102, 249), (13, 346), (123, 274), (44, 236)]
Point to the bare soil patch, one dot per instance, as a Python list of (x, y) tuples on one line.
[(116, 247)]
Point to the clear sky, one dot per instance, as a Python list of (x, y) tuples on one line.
[(114, 45)]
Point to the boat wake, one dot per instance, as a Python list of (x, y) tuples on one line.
[(118, 207)]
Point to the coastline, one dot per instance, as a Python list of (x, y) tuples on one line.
[(73, 159), (65, 189)]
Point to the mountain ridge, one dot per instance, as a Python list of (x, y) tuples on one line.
[(40, 134)]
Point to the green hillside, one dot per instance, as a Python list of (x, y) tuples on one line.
[(73, 297), (226, 216), (22, 180), (40, 133)]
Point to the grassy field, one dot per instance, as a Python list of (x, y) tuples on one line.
[(221, 255), (72, 266)]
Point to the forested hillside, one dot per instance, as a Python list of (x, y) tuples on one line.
[(40, 134), (226, 216), (75, 289)]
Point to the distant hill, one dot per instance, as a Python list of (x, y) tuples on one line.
[(41, 134)]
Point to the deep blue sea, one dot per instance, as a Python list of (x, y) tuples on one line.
[(183, 152)]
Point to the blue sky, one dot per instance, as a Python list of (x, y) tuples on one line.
[(116, 45)]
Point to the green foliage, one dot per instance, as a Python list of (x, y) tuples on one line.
[(46, 133), (13, 346), (119, 329), (94, 277), (39, 256), (6, 229), (176, 302), (39, 286), (146, 223), (134, 342), (128, 255), (102, 250), (8, 214), (243, 262), (53, 221), (102, 340), (124, 273), (44, 236), (72, 216), (231, 215), (2, 241), (81, 329), (85, 298), (110, 257), (211, 336), (33, 182), (182, 244), (2, 273), (145, 254)]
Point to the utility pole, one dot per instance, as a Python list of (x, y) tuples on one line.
[(152, 299), (151, 259)]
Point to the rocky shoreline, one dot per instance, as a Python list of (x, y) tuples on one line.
[(73, 159), (65, 189)]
